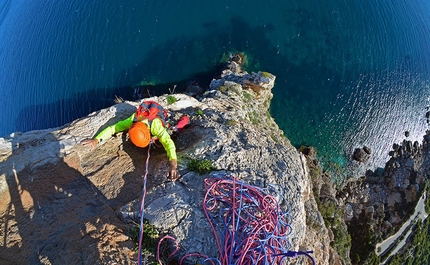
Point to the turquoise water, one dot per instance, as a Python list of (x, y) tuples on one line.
[(349, 73)]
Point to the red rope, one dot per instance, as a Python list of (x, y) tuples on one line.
[(142, 206), (250, 228)]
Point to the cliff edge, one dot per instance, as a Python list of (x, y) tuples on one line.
[(61, 203)]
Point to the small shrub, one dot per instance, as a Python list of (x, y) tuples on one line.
[(199, 112), (234, 89), (150, 237), (247, 96), (228, 87), (327, 210), (265, 74), (373, 259), (231, 123), (274, 138), (223, 89), (302, 148), (201, 166), (171, 99), (253, 117), (342, 240)]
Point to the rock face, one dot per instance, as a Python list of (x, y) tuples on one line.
[(338, 241), (65, 204)]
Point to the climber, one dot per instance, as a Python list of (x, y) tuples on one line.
[(148, 123)]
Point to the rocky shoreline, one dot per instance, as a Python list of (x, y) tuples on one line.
[(376, 205), (384, 201)]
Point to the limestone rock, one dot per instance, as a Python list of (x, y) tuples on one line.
[(72, 204)]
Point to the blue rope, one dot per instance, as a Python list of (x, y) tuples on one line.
[(245, 204)]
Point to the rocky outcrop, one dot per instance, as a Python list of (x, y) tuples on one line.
[(373, 207), (391, 194), (378, 204), (362, 154), (65, 204)]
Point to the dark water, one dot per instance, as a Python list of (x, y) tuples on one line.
[(349, 72)]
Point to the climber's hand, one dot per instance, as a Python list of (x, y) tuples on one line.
[(90, 142), (173, 171)]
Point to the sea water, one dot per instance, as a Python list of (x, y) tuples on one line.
[(349, 73)]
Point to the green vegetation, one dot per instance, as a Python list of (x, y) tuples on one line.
[(266, 104), (223, 88), (171, 99), (199, 112), (333, 219), (230, 87), (331, 213), (364, 243), (327, 210), (373, 259), (200, 166), (231, 122), (150, 237), (253, 117), (248, 97), (274, 138), (416, 250), (265, 74)]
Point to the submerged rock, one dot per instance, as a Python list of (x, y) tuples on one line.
[(362, 154)]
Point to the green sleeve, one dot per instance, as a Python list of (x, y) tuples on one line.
[(113, 129), (158, 130)]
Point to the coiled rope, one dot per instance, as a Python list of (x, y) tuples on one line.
[(249, 225)]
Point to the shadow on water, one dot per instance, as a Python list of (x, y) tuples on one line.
[(182, 58), (4, 9), (198, 58), (176, 63), (61, 112)]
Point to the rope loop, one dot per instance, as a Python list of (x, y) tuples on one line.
[(250, 226)]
